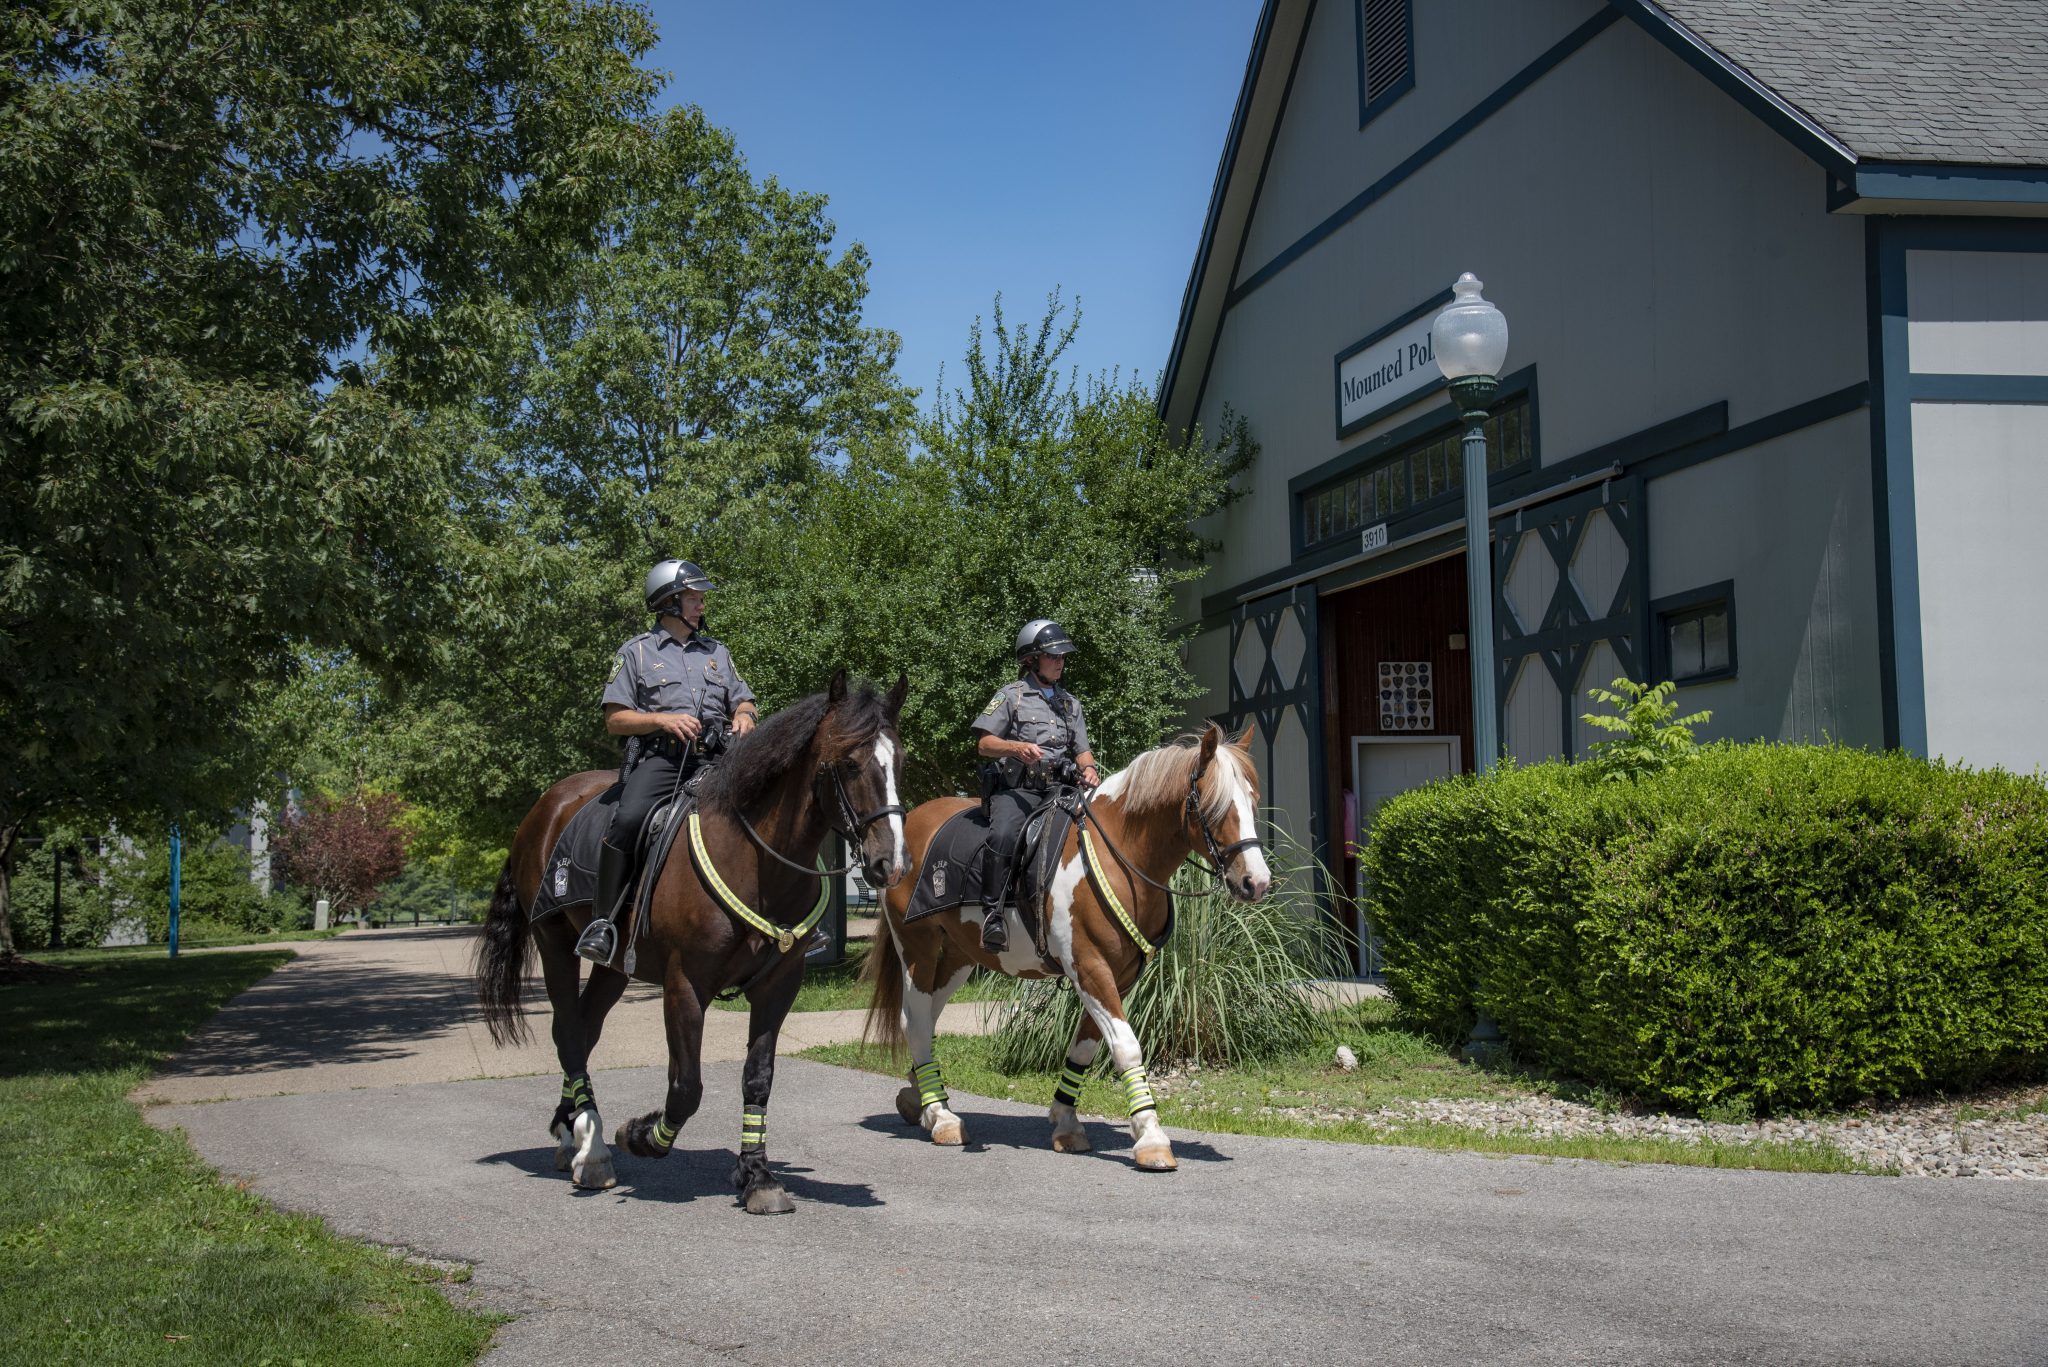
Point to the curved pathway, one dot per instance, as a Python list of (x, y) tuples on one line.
[(1257, 1250)]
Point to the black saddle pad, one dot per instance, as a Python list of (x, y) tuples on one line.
[(951, 873), (570, 877)]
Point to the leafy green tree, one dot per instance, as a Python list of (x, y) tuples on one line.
[(205, 211), (1024, 494), (702, 366)]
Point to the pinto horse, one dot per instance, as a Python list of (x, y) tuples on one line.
[(1108, 910), (830, 762)]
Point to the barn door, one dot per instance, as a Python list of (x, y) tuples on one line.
[(1570, 610)]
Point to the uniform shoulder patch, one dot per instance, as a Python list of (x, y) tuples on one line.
[(618, 663), (995, 704)]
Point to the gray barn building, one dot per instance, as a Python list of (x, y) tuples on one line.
[(1774, 420)]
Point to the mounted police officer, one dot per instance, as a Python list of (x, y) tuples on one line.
[(1034, 733), (674, 693)]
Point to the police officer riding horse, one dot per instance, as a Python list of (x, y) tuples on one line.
[(1034, 735), (674, 694)]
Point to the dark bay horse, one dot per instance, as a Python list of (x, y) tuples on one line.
[(830, 762), (1106, 912)]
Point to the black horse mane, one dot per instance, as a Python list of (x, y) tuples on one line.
[(758, 760)]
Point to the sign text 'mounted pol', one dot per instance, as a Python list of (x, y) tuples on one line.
[(1393, 367)]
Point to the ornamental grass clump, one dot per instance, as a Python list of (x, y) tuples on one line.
[(1236, 983)]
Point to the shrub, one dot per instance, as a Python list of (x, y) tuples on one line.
[(1773, 926), (1227, 987), (86, 911)]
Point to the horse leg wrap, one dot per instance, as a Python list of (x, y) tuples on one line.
[(1137, 1090), (1068, 1093), (753, 1130), (930, 1090), (577, 1097), (662, 1135)]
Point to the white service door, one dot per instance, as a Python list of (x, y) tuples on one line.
[(1380, 768)]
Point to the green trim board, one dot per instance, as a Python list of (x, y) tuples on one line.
[(1925, 387), (1678, 607), (1673, 445), (1369, 106), (1434, 304), (1938, 183)]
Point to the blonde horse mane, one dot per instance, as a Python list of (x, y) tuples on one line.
[(1159, 778)]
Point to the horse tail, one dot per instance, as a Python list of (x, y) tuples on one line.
[(884, 969), (501, 955)]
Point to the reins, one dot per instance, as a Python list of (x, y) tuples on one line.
[(852, 832)]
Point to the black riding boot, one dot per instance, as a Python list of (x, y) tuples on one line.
[(995, 930), (599, 942)]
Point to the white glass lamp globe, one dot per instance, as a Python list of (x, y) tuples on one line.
[(1470, 336)]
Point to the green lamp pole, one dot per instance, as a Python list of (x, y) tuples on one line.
[(1470, 338)]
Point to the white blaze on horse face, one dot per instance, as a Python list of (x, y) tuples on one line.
[(899, 854), (1252, 857)]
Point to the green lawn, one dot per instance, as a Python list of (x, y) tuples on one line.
[(117, 1245), (1308, 1097), (838, 988)]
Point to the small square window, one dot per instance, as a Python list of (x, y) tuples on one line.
[(1696, 635)]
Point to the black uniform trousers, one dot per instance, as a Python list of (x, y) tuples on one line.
[(1008, 810), (648, 784)]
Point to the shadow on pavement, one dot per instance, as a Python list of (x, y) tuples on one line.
[(686, 1176), (1107, 1141)]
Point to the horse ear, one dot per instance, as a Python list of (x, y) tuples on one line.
[(897, 695), (836, 692), (1244, 737), (1212, 735)]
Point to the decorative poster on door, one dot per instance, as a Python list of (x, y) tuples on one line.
[(1407, 696)]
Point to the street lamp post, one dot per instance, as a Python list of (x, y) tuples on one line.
[(1470, 338)]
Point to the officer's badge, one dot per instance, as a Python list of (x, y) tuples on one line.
[(712, 664)]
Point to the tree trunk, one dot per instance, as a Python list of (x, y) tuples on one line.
[(7, 844)]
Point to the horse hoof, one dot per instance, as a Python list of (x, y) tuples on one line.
[(1160, 1159), (1071, 1141), (949, 1132), (565, 1147), (596, 1176), (770, 1200), (908, 1106)]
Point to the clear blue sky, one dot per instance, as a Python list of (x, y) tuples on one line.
[(975, 148)]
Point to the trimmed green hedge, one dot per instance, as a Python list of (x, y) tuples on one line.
[(1772, 925)]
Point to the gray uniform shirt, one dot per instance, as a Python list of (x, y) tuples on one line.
[(657, 672), (1019, 711)]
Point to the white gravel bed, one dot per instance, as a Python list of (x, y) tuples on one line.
[(1914, 1139)]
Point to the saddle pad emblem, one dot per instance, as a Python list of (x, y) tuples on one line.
[(939, 878), (561, 878)]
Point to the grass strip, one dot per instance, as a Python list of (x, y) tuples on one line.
[(1394, 1066), (119, 1245)]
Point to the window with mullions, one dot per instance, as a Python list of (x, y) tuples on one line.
[(1386, 54), (1431, 471), (1696, 635)]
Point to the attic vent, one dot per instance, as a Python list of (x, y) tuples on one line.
[(1386, 53)]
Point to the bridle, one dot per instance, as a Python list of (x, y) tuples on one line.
[(1219, 855), (840, 819)]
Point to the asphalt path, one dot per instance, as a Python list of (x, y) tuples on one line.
[(1257, 1249)]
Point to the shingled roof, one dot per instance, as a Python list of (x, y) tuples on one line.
[(1945, 81)]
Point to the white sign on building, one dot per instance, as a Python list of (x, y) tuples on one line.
[(1394, 366)]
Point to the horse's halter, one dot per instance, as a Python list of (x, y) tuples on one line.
[(1220, 856)]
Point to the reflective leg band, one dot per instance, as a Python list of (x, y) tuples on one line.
[(754, 1128), (930, 1091), (1137, 1090), (576, 1091), (664, 1134), (1068, 1093)]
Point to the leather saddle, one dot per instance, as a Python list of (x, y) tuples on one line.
[(569, 878), (950, 875)]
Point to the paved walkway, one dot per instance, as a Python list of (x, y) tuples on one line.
[(1005, 1252), (379, 1008)]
